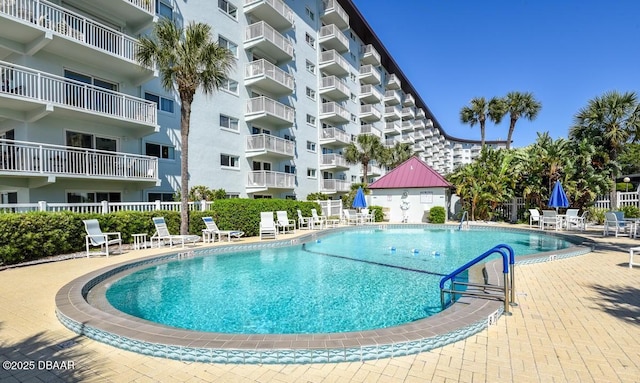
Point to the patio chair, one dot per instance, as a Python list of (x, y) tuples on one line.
[(317, 220), (575, 221), (614, 221), (366, 215), (162, 234), (268, 227), (283, 223), (209, 234), (95, 237), (534, 217), (550, 219), (303, 221), (350, 217)]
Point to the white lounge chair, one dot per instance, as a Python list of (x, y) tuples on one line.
[(550, 219), (268, 227), (95, 237), (614, 221), (317, 220), (350, 217), (367, 216), (303, 222), (283, 223), (534, 218), (209, 234), (162, 234), (573, 220)]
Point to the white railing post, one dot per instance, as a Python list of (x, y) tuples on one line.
[(104, 206), (203, 205), (42, 205), (158, 205)]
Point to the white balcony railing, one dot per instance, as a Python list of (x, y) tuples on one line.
[(147, 5), (331, 82), (270, 179), (328, 32), (278, 5), (333, 108), (331, 6), (58, 90), (370, 129), (266, 31), (267, 142), (263, 67), (75, 26), (334, 134), (271, 107), (331, 56), (371, 54), (45, 159), (334, 185), (333, 160)]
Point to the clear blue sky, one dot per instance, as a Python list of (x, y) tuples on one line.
[(565, 52)]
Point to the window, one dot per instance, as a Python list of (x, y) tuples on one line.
[(233, 47), (89, 141), (310, 40), (310, 14), (160, 151), (230, 86), (311, 120), (311, 146), (163, 104), (164, 197), (311, 93), (353, 57), (228, 8), (164, 9), (290, 169), (352, 76), (353, 97), (227, 122), (311, 173), (354, 118), (230, 161), (311, 68), (353, 37), (354, 178), (93, 197)]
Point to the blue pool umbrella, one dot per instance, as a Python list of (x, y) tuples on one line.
[(558, 197), (359, 201)]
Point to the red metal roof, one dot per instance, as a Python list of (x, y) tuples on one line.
[(413, 173)]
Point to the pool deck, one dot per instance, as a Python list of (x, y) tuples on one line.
[(578, 320)]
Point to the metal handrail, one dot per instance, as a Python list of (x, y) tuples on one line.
[(508, 267), (464, 215)]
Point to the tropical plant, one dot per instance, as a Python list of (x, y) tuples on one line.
[(397, 154), (367, 148), (520, 105), (317, 197), (187, 59), (479, 110), (609, 122)]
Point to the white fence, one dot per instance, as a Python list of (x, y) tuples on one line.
[(103, 207)]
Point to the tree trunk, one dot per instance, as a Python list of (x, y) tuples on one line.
[(482, 123), (185, 117), (512, 127), (365, 165)]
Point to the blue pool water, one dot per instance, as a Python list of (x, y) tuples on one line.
[(348, 281)]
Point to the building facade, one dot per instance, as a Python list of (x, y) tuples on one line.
[(81, 121)]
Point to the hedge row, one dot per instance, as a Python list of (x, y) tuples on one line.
[(30, 236)]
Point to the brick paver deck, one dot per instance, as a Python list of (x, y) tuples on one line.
[(578, 320)]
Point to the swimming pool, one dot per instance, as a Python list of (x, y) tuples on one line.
[(82, 307), (347, 281)]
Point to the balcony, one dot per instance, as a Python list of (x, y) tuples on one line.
[(333, 137), (136, 14), (268, 145), (334, 88), (369, 75), (392, 97), (28, 26), (418, 136), (331, 186), (428, 123), (262, 37), (333, 161), (408, 100), (263, 180), (275, 12), (407, 139), (408, 113), (420, 113), (332, 38), (334, 14), (368, 113), (418, 124), (389, 142), (370, 129), (30, 163), (334, 113), (372, 170), (370, 56), (392, 129), (268, 77), (265, 110), (393, 82), (332, 62), (30, 95), (370, 94), (407, 126), (392, 113), (428, 133)]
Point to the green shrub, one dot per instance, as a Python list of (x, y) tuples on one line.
[(437, 214), (630, 211), (378, 215), (596, 215)]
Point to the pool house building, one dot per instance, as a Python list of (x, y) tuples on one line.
[(82, 121)]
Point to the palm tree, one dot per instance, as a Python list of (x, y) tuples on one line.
[(520, 105), (366, 149), (397, 154), (609, 122), (188, 59), (478, 111)]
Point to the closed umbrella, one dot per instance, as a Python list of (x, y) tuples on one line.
[(558, 197), (359, 201)]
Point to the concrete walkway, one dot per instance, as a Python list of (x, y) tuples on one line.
[(578, 320)]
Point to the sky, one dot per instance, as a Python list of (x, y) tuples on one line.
[(565, 52)]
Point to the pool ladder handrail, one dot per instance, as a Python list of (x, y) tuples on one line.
[(508, 270), (462, 221)]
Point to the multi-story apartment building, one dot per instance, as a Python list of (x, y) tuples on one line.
[(82, 121)]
